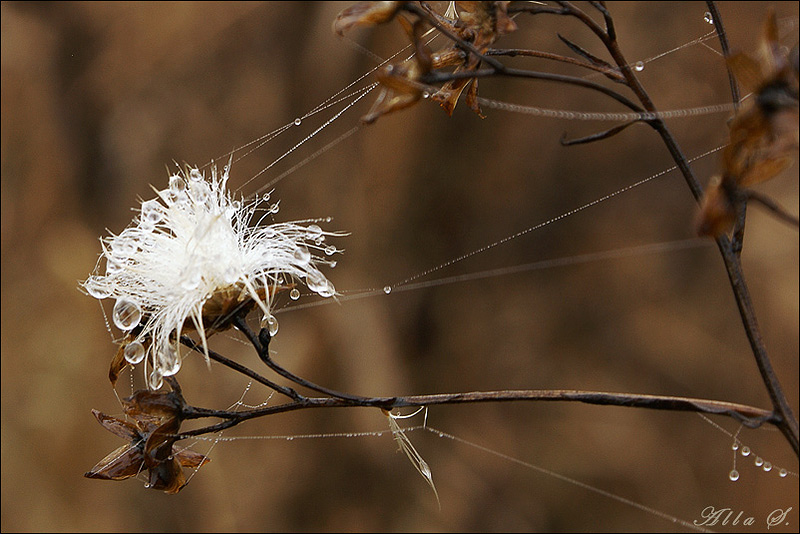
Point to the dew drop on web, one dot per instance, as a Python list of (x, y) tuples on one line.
[(638, 66), (708, 17), (298, 121), (294, 294), (387, 289), (733, 475)]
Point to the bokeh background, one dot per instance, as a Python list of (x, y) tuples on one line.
[(98, 97)]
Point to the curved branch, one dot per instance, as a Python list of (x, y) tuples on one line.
[(439, 77)]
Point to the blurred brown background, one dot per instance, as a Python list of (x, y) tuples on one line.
[(98, 97)]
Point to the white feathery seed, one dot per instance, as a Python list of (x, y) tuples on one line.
[(194, 243)]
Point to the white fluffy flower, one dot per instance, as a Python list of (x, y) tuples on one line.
[(192, 257)]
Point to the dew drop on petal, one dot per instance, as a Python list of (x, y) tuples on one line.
[(113, 266), (126, 314), (733, 475), (783, 472), (134, 352), (330, 250), (327, 290), (745, 451), (767, 467), (387, 289), (759, 461), (97, 287), (151, 213), (298, 121), (638, 66), (708, 18), (302, 255), (199, 192), (294, 294), (191, 280), (176, 184), (172, 365), (155, 380), (270, 323)]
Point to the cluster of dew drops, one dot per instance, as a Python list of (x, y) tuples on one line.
[(758, 460)]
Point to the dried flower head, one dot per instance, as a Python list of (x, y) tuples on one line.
[(192, 258), (763, 136), (151, 444)]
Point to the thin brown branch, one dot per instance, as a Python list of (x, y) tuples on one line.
[(771, 205), (747, 415), (513, 52)]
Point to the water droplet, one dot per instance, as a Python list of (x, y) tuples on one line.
[(332, 264), (767, 467), (126, 314), (97, 287), (426, 94), (289, 438), (330, 250), (735, 446), (199, 192), (759, 461), (176, 184), (314, 231), (783, 472), (191, 280), (387, 289), (708, 18), (638, 66), (275, 208), (328, 219), (745, 451), (298, 121), (113, 266), (155, 380), (302, 255), (328, 290), (270, 323), (196, 175), (152, 213), (294, 294), (733, 475), (236, 205), (441, 434), (169, 361), (134, 352)]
